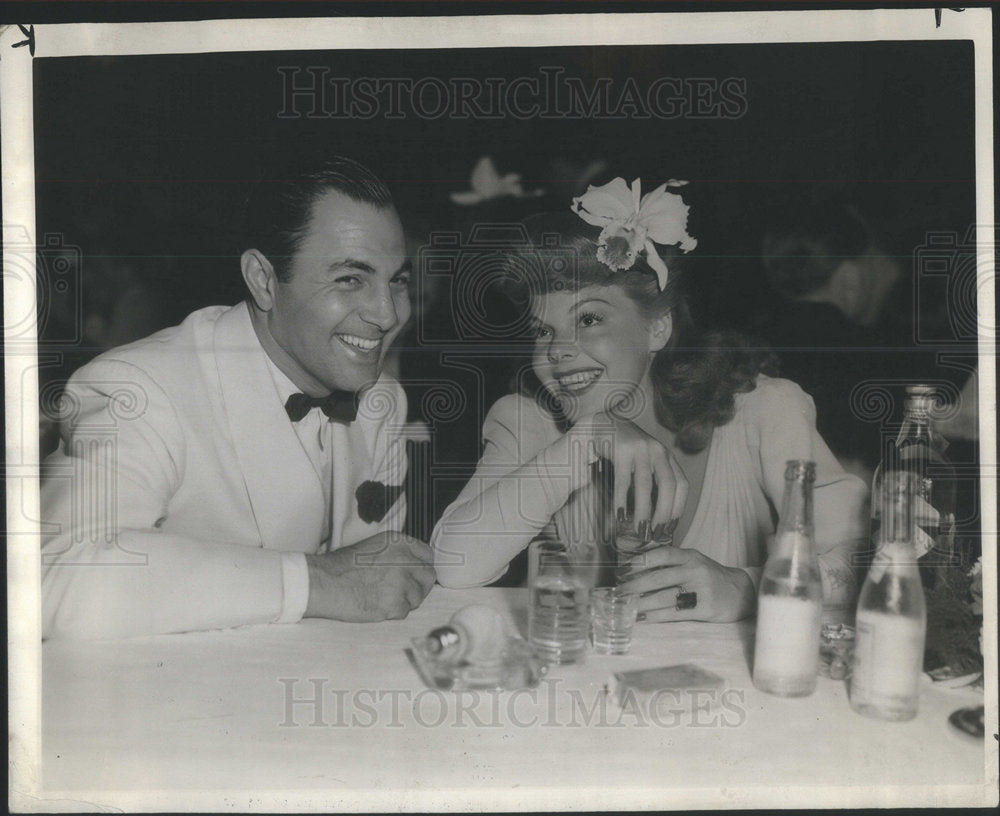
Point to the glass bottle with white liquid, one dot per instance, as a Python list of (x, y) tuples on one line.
[(892, 617), (790, 598)]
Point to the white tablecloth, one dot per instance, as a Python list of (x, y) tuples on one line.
[(209, 720)]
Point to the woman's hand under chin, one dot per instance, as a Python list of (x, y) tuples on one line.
[(672, 575)]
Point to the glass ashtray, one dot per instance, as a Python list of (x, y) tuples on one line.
[(517, 668)]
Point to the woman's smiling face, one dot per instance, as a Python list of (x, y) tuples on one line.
[(593, 347)]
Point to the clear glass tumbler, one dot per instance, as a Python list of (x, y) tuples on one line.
[(558, 617), (612, 619)]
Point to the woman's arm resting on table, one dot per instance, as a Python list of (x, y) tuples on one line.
[(524, 477), (521, 480)]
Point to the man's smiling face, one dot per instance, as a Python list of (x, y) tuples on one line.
[(345, 299)]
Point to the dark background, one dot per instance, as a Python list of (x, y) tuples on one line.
[(149, 157)]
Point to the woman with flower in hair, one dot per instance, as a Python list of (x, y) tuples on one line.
[(697, 425)]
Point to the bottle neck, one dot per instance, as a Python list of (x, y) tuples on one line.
[(797, 509), (897, 513), (916, 426)]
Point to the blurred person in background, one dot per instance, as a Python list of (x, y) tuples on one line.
[(836, 279), (122, 299)]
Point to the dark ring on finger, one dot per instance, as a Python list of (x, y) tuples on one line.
[(687, 600)]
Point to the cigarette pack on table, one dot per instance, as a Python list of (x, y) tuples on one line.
[(668, 687)]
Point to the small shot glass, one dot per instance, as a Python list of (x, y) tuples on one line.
[(612, 619)]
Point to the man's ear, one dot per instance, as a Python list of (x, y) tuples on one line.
[(660, 330), (847, 289), (259, 276)]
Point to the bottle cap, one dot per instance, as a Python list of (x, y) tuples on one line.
[(920, 398)]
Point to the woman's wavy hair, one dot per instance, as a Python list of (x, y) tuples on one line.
[(695, 376)]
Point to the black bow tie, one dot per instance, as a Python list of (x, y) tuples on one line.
[(341, 406)]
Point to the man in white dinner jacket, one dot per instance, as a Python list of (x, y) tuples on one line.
[(246, 466)]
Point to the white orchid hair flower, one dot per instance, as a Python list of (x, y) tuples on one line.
[(487, 184), (632, 223)]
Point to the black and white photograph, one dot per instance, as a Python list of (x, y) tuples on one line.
[(501, 412)]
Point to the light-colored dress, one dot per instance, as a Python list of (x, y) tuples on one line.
[(526, 474)]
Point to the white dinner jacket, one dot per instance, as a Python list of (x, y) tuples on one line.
[(181, 497)]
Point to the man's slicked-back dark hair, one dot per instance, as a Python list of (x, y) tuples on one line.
[(280, 205)]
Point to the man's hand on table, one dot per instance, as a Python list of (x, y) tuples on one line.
[(383, 577)]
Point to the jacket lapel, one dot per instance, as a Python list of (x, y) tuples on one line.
[(284, 491)]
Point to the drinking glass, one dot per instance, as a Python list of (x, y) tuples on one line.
[(612, 619), (560, 587)]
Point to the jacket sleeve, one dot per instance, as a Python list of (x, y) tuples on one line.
[(108, 570), (522, 479), (786, 421)]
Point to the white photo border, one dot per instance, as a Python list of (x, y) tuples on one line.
[(329, 34)]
